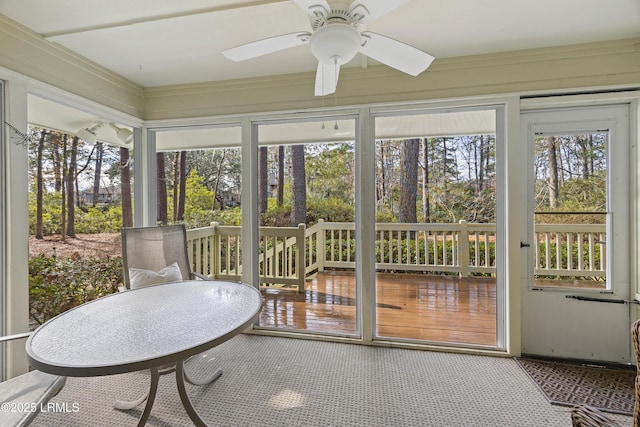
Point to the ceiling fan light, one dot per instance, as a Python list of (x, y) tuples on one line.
[(335, 43)]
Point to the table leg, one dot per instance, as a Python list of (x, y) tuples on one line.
[(180, 381), (153, 388)]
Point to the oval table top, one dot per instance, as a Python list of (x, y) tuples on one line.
[(143, 328)]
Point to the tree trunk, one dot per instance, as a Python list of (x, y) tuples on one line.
[(382, 191), (586, 144), (217, 182), (280, 197), (553, 171), (263, 180), (57, 162), (63, 171), (425, 181), (182, 184), (71, 178), (97, 173), (125, 188), (299, 186), (176, 187), (409, 181), (40, 189), (480, 162), (162, 189)]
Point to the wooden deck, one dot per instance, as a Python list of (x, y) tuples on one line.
[(418, 307)]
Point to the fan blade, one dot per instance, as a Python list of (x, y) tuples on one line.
[(266, 46), (315, 8), (326, 78), (395, 54), (368, 10)]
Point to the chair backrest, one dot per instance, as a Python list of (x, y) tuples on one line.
[(155, 248)]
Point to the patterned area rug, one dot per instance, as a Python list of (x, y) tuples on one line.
[(607, 388)]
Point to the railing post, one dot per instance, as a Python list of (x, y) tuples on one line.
[(321, 246), (301, 275), (215, 251), (463, 249)]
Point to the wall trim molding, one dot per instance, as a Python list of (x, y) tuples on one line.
[(29, 54), (571, 68)]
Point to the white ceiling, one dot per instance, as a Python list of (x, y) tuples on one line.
[(165, 42)]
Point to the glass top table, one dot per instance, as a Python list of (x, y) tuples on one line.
[(145, 328)]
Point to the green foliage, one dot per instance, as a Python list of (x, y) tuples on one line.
[(198, 197), (198, 205), (385, 215), (576, 195), (104, 219), (204, 218), (332, 209), (52, 212), (329, 171), (99, 220), (587, 194), (277, 216), (57, 285)]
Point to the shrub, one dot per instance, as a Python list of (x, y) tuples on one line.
[(57, 285), (88, 220), (332, 209), (99, 220), (204, 218)]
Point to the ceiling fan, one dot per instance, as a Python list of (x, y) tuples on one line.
[(336, 39)]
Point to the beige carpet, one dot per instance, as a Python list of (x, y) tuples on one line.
[(271, 381)]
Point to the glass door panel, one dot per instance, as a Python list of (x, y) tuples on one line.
[(436, 228), (306, 201), (570, 230), (200, 186)]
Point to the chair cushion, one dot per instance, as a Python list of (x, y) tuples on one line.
[(139, 277)]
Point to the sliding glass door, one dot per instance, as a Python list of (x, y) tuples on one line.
[(306, 210), (437, 266)]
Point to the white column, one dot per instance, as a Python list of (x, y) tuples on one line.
[(365, 224), (144, 178), (249, 202), (511, 209), (15, 201)]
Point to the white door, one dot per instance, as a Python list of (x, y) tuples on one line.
[(575, 303)]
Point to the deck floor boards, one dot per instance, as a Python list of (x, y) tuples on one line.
[(410, 306)]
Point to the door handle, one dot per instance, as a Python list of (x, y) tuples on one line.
[(524, 245), (595, 299)]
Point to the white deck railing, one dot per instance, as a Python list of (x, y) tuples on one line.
[(287, 255), (570, 250), (215, 251)]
